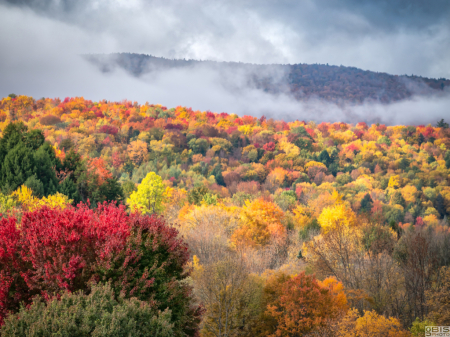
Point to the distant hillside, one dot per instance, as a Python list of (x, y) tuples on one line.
[(303, 81)]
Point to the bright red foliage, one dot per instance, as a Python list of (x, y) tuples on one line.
[(10, 267), (64, 246), (110, 130), (54, 249), (269, 146)]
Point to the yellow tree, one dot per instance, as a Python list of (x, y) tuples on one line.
[(337, 216), (335, 251), (370, 325), (394, 182), (24, 196), (149, 196)]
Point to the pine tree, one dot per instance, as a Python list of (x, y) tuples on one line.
[(439, 204), (324, 157), (18, 165), (366, 203), (69, 188), (420, 139), (35, 185), (217, 173), (45, 171)]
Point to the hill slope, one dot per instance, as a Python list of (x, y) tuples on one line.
[(303, 81)]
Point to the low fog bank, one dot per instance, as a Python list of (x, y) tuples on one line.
[(203, 88), (42, 59)]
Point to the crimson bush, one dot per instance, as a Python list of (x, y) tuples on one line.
[(53, 250)]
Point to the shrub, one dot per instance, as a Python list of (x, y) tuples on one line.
[(65, 249), (97, 314)]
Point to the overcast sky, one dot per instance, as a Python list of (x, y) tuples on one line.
[(41, 40)]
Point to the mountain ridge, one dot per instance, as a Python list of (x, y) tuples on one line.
[(338, 84)]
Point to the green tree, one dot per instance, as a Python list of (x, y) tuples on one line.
[(55, 162), (439, 204), (442, 124), (217, 173), (23, 154), (97, 314), (69, 188), (198, 145), (111, 190), (366, 203), (35, 185), (35, 139), (195, 195), (45, 171), (149, 196), (17, 166), (420, 139), (418, 327), (324, 157), (128, 188), (397, 199)]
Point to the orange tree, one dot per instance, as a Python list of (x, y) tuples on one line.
[(305, 304), (260, 221)]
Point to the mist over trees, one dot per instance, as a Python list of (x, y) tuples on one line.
[(337, 84)]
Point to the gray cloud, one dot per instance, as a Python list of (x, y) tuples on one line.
[(41, 40), (395, 36)]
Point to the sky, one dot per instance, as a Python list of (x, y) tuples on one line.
[(41, 43)]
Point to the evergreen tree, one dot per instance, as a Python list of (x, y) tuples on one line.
[(71, 162), (111, 190), (55, 162), (439, 204), (420, 139), (442, 124), (18, 165), (35, 185), (366, 203), (45, 171), (12, 135), (324, 157), (34, 139), (217, 173), (69, 188)]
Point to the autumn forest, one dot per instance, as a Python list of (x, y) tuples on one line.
[(127, 219)]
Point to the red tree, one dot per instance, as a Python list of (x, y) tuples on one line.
[(54, 250)]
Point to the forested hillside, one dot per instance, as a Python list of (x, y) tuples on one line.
[(337, 84), (220, 225)]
